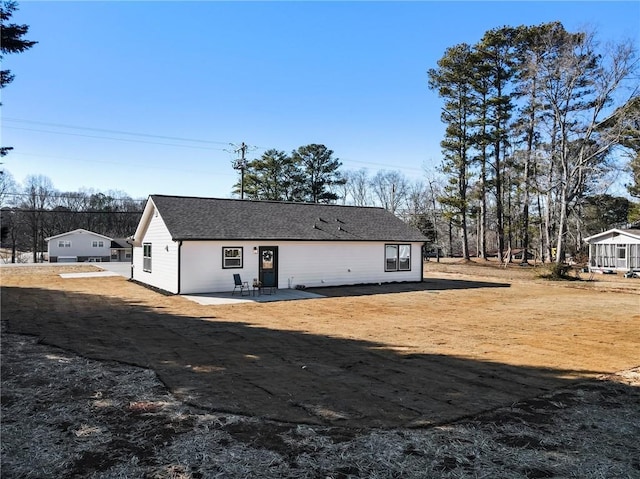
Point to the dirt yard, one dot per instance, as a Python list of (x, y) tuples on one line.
[(477, 371)]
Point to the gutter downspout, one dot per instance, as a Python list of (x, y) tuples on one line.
[(423, 248), (179, 265), (130, 262)]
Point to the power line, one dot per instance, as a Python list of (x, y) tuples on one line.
[(112, 138), (119, 132), (395, 167), (129, 164), (165, 137)]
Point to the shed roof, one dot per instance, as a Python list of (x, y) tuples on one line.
[(194, 218), (626, 232)]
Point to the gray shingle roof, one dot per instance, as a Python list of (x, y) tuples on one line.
[(120, 243), (191, 218)]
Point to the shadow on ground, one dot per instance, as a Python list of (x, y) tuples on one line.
[(281, 375), (439, 284)]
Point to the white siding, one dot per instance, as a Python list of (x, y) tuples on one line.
[(330, 264), (201, 264), (164, 257), (299, 263), (81, 245)]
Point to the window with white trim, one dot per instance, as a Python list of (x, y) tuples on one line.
[(397, 257), (64, 244), (232, 257), (98, 244), (146, 257)]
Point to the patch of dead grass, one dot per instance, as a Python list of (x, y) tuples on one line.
[(66, 416)]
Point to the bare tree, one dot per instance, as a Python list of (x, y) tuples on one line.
[(417, 211), (579, 87), (358, 187), (390, 188), (38, 192), (8, 189)]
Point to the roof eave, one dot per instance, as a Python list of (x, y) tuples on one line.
[(613, 230)]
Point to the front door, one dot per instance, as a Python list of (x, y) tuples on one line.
[(268, 268)]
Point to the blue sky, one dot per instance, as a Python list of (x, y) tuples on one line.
[(147, 97)]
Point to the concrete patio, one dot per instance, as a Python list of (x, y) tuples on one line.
[(227, 298)]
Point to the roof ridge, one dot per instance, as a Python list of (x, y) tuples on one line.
[(307, 203)]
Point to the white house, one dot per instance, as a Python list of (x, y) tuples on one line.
[(614, 250), (187, 245), (78, 245)]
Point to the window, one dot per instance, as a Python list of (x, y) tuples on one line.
[(98, 244), (64, 244), (232, 257), (621, 252), (397, 257), (146, 257)]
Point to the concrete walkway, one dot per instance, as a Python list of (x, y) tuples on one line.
[(227, 298), (97, 274), (121, 268), (108, 269)]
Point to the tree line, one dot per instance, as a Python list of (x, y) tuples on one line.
[(36, 210), (423, 203), (310, 173), (535, 117)]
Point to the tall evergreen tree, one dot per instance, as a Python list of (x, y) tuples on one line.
[(11, 41), (320, 172), (274, 176), (452, 81), (496, 55), (482, 141), (531, 50)]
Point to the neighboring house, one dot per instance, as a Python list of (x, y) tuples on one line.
[(121, 250), (187, 245), (614, 250), (78, 245)]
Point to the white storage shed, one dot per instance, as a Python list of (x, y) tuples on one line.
[(614, 250)]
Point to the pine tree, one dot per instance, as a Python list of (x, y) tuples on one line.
[(452, 81), (11, 41)]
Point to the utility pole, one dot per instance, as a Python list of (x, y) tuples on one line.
[(241, 164), (435, 219)]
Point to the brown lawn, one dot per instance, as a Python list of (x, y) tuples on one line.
[(468, 339)]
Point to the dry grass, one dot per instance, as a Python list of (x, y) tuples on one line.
[(66, 416)]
